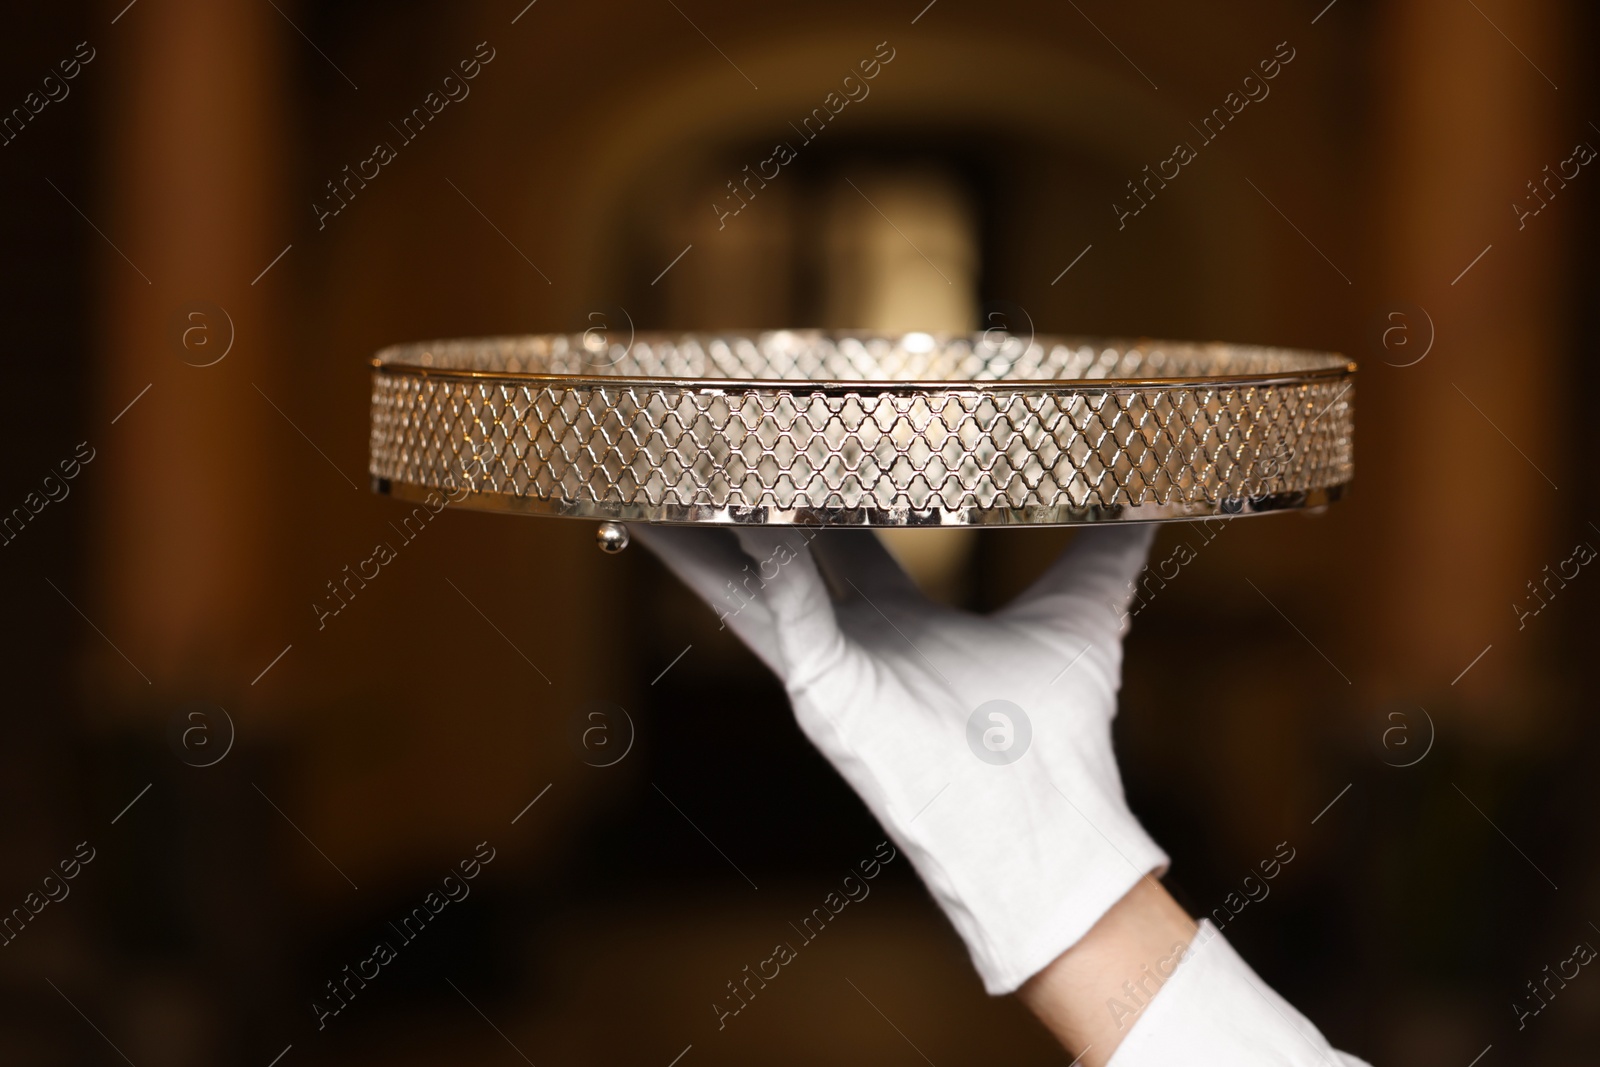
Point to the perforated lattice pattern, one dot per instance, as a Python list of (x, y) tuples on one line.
[(674, 450)]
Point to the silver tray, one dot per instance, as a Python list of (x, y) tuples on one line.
[(859, 429)]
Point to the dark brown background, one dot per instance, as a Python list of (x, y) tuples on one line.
[(409, 730)]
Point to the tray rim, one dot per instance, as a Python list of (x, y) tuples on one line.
[(852, 518), (1340, 366)]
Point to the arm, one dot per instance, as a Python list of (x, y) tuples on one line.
[(1146, 987), (1126, 957), (982, 744)]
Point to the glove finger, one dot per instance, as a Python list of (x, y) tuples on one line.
[(860, 565), (1086, 591), (711, 563), (807, 632)]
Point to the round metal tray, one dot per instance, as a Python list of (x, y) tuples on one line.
[(858, 429)]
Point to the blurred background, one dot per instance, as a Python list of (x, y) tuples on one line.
[(205, 243)]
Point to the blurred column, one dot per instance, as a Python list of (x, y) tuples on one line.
[(1468, 112), (901, 254), (193, 170), (742, 275), (191, 505)]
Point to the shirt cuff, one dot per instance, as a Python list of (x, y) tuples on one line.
[(1216, 1012)]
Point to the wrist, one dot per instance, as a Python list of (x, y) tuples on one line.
[(1023, 882), (1091, 995)]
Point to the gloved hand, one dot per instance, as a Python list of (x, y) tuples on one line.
[(1025, 841)]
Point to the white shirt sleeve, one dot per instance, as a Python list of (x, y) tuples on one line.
[(1214, 1011)]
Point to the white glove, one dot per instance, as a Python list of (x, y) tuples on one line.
[(1025, 852), (1215, 1012)]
